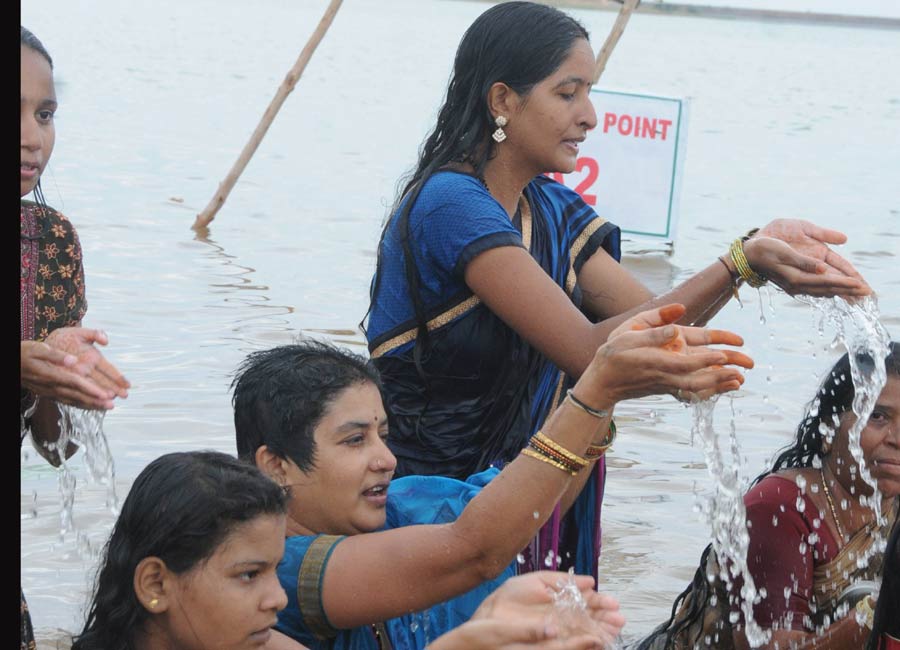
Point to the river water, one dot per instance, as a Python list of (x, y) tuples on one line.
[(157, 100)]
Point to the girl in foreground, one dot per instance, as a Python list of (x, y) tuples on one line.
[(495, 285), (191, 563), (805, 557), (312, 418)]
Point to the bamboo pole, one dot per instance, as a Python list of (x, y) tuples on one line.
[(290, 80), (614, 35)]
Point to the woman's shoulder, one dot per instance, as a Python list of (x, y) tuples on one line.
[(50, 220), (788, 492), (300, 545), (778, 488), (555, 191), (448, 187)]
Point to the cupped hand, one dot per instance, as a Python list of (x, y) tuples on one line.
[(90, 365), (512, 634), (48, 372), (530, 597), (795, 255), (648, 354)]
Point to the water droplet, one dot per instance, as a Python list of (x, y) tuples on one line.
[(775, 520), (520, 558), (844, 504), (536, 514)]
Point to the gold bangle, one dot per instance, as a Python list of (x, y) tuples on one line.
[(533, 454), (545, 450), (745, 271), (574, 458), (597, 413), (594, 452)]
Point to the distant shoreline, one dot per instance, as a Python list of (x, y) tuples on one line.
[(733, 13)]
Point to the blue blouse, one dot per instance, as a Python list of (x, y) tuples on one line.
[(411, 501)]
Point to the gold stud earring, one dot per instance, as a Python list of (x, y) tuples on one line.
[(154, 602), (500, 135)]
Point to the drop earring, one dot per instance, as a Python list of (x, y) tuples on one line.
[(500, 135)]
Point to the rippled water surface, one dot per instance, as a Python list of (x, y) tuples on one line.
[(157, 100)]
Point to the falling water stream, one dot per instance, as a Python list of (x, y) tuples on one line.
[(84, 429), (859, 330)]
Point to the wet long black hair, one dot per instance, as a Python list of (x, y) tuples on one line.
[(181, 508), (29, 40), (834, 397), (516, 43)]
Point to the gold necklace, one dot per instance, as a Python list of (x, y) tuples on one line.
[(837, 522)]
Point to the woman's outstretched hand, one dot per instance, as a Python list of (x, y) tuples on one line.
[(68, 367), (521, 614), (648, 354), (795, 255)]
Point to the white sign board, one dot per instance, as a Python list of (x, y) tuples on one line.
[(629, 168)]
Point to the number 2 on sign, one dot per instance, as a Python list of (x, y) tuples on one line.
[(593, 170)]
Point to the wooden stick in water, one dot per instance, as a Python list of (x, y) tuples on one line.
[(209, 212), (613, 38)]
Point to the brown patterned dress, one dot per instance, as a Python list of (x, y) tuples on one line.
[(52, 296), (51, 277)]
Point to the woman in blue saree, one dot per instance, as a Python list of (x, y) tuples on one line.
[(495, 285), (373, 563)]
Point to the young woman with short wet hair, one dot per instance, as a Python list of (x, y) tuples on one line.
[(364, 552), (495, 285)]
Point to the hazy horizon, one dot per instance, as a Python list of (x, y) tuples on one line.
[(880, 8)]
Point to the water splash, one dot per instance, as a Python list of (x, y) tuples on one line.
[(84, 429), (725, 514), (570, 612), (858, 329)]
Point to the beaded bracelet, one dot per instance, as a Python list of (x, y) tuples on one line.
[(597, 413), (558, 458), (528, 451), (736, 250), (594, 452)]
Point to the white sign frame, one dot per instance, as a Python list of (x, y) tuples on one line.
[(666, 163)]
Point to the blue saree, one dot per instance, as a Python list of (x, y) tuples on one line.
[(484, 390), (411, 500)]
